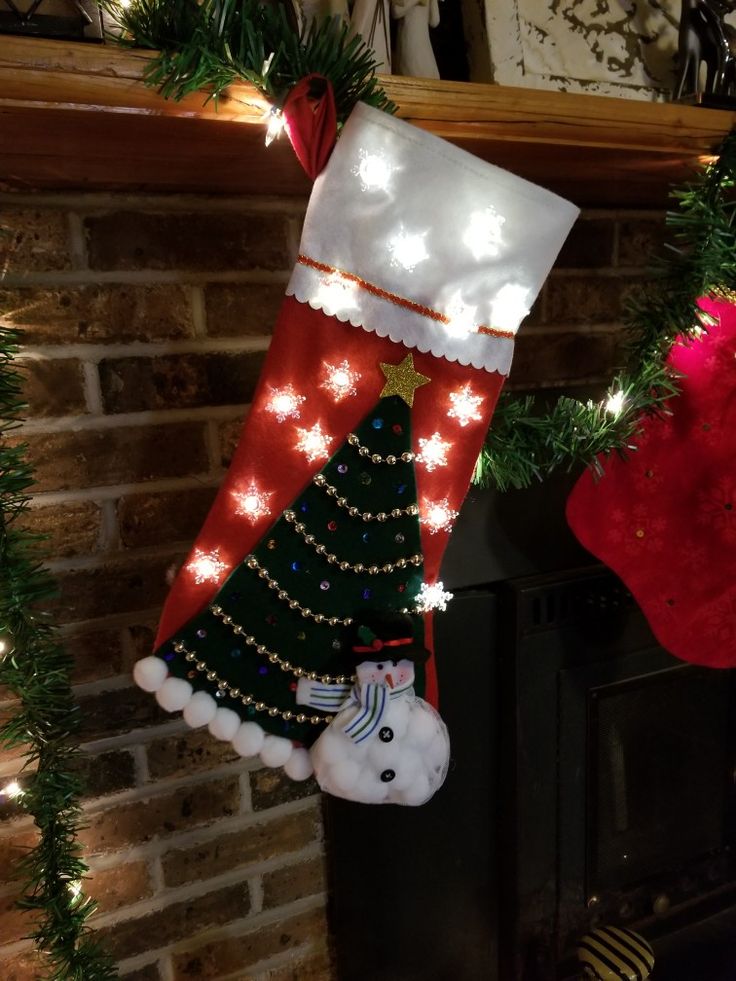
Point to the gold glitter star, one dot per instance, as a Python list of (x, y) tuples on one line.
[(402, 379)]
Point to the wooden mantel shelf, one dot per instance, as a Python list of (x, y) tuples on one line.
[(78, 116)]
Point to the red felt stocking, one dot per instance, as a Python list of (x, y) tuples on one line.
[(664, 519), (416, 265)]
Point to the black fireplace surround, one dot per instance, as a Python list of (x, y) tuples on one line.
[(592, 780)]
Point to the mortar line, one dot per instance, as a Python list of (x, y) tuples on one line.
[(122, 420), (95, 353)]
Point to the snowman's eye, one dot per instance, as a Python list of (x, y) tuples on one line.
[(379, 667)]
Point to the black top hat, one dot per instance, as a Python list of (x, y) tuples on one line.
[(383, 635)]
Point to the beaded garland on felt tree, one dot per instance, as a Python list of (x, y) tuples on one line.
[(388, 356)]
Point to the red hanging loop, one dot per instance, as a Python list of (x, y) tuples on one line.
[(310, 120)]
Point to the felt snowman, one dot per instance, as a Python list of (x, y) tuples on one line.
[(385, 745)]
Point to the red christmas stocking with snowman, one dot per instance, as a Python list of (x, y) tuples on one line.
[(304, 607)]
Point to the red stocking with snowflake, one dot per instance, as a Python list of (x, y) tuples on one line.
[(303, 610)]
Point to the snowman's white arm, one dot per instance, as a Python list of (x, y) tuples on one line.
[(318, 695)]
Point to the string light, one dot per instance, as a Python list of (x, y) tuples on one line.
[(13, 790), (615, 403), (253, 503), (433, 452), (284, 403), (336, 293), (509, 306), (206, 566), (314, 443), (340, 380), (276, 123), (407, 250), (75, 889), (464, 406), (438, 515), (432, 596), (374, 171), (462, 317), (483, 234)]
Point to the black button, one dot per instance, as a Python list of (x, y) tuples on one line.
[(388, 775), (385, 734)]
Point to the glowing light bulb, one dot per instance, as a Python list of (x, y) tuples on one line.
[(276, 123), (407, 250), (374, 171), (483, 234), (253, 503), (464, 406), (509, 306), (284, 403), (462, 317), (438, 515), (433, 452), (313, 443), (340, 380), (336, 293), (432, 596), (615, 403), (206, 566), (12, 790), (75, 889)]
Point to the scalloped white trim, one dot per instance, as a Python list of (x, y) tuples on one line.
[(293, 763), (405, 326)]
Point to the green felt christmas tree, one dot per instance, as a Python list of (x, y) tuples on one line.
[(348, 544)]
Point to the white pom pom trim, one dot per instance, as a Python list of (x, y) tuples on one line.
[(299, 765), (249, 739), (174, 694), (225, 724), (199, 709), (276, 750), (150, 673)]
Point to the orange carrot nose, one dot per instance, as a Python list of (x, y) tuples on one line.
[(389, 680)]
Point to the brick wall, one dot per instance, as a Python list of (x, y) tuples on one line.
[(146, 321)]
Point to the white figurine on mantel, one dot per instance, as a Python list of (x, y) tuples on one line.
[(370, 19), (414, 55)]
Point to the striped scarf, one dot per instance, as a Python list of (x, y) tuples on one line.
[(372, 700)]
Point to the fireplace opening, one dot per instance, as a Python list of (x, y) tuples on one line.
[(657, 750)]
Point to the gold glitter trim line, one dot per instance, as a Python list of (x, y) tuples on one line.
[(235, 693), (344, 565), (342, 502), (399, 301)]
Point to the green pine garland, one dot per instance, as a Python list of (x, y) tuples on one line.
[(524, 445), (35, 668), (208, 45)]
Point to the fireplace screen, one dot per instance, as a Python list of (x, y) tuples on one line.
[(659, 770)]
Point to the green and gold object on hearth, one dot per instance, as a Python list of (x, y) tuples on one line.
[(615, 954)]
